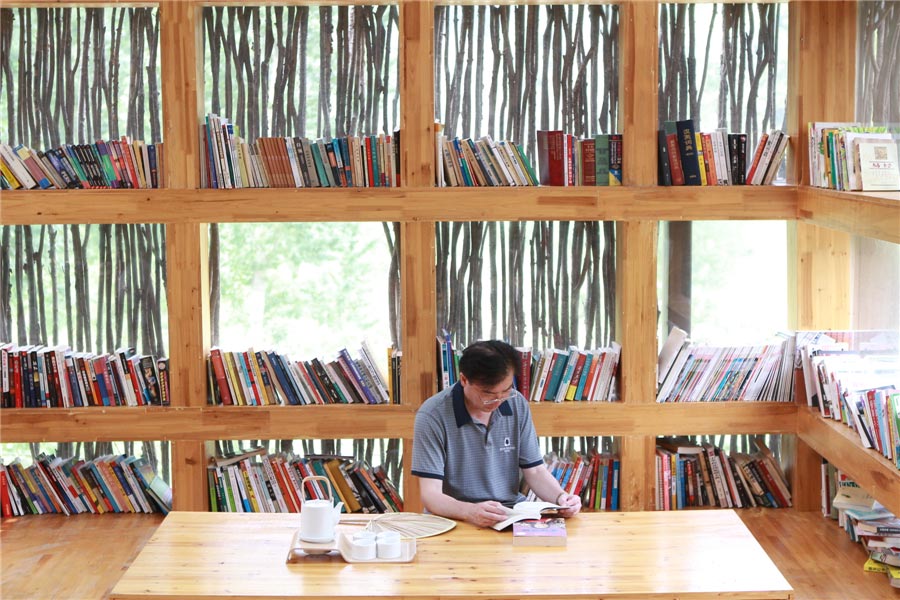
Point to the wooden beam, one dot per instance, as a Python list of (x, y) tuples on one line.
[(426, 203), (874, 215), (818, 277), (639, 87)]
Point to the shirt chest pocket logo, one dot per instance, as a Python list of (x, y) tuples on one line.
[(507, 445)]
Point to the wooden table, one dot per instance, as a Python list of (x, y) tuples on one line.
[(686, 554)]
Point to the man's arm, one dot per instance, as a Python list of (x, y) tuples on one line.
[(542, 483), (482, 514)]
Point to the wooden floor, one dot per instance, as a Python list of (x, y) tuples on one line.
[(83, 557)]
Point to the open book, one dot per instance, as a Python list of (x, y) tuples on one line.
[(526, 510)]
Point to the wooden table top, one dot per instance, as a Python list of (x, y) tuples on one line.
[(679, 554)]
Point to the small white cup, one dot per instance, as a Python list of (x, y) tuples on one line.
[(388, 543), (363, 549), (364, 535)]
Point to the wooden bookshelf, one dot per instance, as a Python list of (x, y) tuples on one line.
[(840, 445), (821, 48)]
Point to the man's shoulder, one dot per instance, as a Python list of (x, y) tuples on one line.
[(437, 405)]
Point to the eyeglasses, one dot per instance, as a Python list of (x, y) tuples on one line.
[(490, 398)]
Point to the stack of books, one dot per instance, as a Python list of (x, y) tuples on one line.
[(854, 156), (230, 161), (693, 475), (565, 160), (255, 481), (482, 162), (688, 372), (690, 157), (55, 377), (53, 485), (865, 521), (111, 164), (260, 378)]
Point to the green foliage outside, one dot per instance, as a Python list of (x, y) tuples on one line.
[(307, 289)]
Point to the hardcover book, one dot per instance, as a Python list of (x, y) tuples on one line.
[(540, 532)]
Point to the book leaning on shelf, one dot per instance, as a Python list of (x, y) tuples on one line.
[(565, 160), (230, 161), (696, 475), (689, 372), (261, 378), (53, 485), (690, 157), (36, 376), (255, 481), (119, 163)]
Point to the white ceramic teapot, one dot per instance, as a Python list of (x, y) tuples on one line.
[(318, 517)]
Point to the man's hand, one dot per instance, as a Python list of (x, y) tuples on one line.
[(485, 514), (571, 502)]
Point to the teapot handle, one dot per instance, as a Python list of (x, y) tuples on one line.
[(310, 479)]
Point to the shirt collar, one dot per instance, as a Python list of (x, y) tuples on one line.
[(459, 406)]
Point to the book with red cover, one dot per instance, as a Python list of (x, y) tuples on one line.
[(540, 532)]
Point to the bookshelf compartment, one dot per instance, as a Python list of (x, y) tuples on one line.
[(723, 282), (86, 478), (267, 475), (101, 91), (355, 86), (721, 472)]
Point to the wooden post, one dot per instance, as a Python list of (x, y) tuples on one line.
[(822, 56), (636, 244), (187, 255), (417, 270)]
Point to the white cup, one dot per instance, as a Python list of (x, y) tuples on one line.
[(364, 535), (388, 543), (363, 549)]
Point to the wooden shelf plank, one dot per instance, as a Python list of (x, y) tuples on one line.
[(399, 204), (286, 422), (840, 445), (871, 214), (617, 418), (206, 423)]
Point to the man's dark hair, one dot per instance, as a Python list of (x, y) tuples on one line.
[(488, 362)]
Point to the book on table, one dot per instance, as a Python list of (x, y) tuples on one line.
[(526, 510), (546, 531)]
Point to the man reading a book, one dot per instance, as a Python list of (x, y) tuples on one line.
[(471, 441)]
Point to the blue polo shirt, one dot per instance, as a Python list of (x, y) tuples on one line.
[(476, 462)]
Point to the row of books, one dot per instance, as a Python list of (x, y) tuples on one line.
[(260, 378), (859, 387), (255, 481), (865, 521), (691, 157), (564, 160), (854, 156), (557, 375), (53, 485), (112, 164), (696, 475), (552, 375), (594, 477), (688, 372), (295, 162), (482, 162), (37, 376)]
